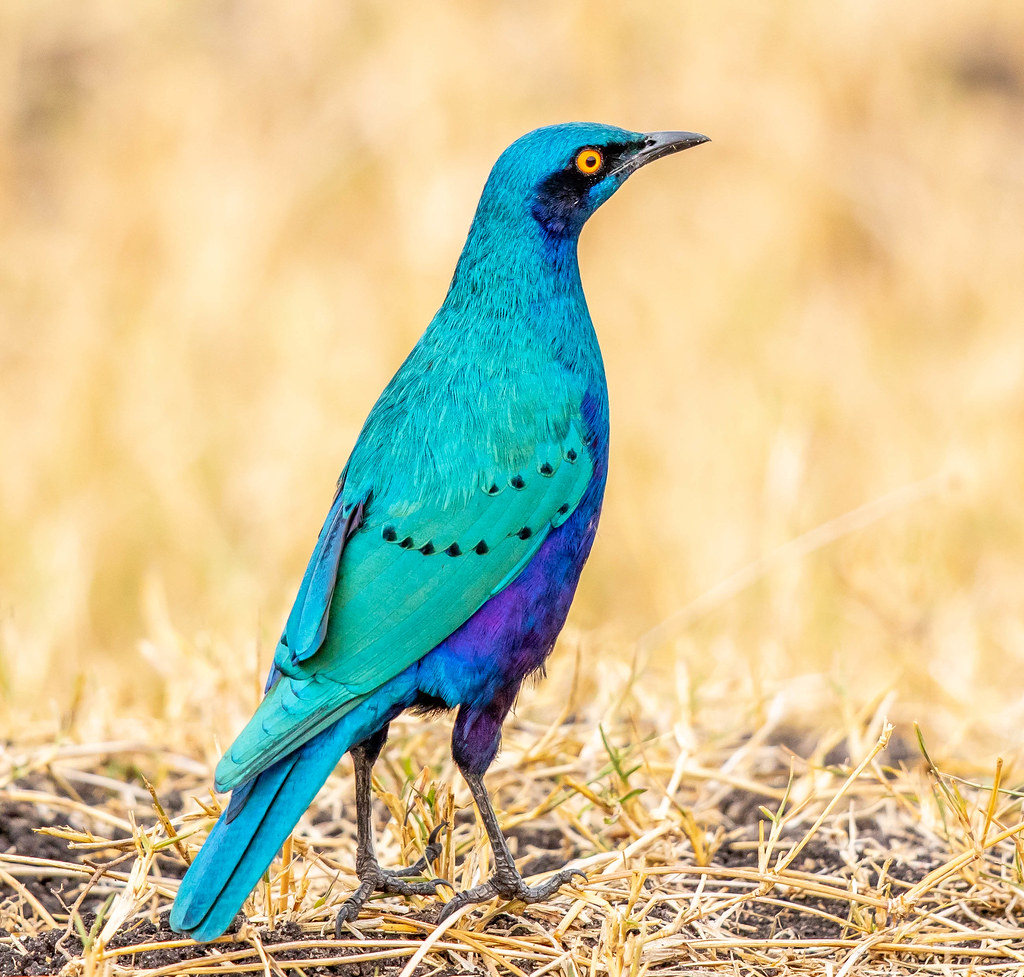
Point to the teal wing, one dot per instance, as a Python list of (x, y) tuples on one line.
[(388, 584)]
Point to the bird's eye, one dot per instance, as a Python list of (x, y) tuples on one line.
[(589, 161)]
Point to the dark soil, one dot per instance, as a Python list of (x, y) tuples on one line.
[(44, 956), (19, 834), (18, 824), (545, 849), (49, 952)]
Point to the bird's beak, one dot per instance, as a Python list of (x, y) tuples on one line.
[(658, 144)]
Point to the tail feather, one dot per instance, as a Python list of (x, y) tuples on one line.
[(240, 848), (264, 810)]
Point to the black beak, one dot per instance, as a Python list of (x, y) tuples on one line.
[(658, 144)]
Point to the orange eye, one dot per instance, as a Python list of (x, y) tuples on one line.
[(589, 160)]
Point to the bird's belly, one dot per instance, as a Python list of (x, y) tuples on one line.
[(512, 634)]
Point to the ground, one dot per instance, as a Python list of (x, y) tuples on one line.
[(750, 856)]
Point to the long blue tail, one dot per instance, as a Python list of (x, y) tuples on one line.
[(249, 834)]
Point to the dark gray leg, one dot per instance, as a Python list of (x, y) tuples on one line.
[(471, 752), (372, 878)]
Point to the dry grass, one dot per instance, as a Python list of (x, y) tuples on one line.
[(222, 226), (733, 856)]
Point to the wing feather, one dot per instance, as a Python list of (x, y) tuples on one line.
[(377, 599)]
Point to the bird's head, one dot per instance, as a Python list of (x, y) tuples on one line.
[(559, 175)]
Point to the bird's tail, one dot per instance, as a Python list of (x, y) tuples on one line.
[(251, 832)]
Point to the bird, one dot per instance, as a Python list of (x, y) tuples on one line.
[(455, 540)]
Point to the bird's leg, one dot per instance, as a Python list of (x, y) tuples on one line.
[(372, 878), (505, 881)]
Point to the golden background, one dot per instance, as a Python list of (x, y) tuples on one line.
[(222, 226)]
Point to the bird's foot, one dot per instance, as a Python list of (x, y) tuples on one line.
[(373, 878), (381, 882), (509, 885)]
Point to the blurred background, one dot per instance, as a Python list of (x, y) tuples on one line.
[(223, 225)]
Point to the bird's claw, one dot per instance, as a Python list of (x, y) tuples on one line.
[(346, 914), (511, 887), (434, 847)]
